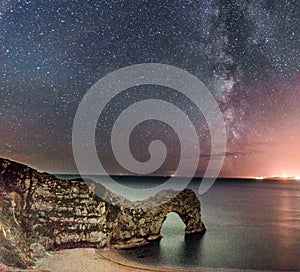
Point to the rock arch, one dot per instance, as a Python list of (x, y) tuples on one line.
[(80, 218), (187, 205), (138, 227)]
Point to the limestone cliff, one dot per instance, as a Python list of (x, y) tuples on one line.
[(41, 209)]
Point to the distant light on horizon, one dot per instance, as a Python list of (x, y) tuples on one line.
[(286, 177), (259, 178), (278, 177)]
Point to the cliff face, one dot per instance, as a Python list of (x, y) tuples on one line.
[(38, 210)]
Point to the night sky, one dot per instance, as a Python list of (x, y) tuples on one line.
[(246, 52)]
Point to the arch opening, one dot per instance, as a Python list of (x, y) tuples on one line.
[(173, 226)]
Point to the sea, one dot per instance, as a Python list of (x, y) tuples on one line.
[(251, 225)]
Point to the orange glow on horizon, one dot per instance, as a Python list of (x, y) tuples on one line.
[(278, 177), (285, 177)]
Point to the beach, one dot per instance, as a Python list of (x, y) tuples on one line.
[(91, 260), (88, 259)]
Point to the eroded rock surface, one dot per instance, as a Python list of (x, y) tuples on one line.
[(39, 211)]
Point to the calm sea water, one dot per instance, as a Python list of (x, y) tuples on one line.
[(250, 225)]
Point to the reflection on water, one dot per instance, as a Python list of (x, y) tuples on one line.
[(288, 216), (173, 237), (250, 225)]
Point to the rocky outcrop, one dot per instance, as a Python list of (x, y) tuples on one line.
[(139, 226), (39, 211), (14, 249)]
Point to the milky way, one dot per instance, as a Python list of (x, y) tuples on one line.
[(246, 52)]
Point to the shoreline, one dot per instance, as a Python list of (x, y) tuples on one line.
[(89, 259), (93, 260), (103, 260)]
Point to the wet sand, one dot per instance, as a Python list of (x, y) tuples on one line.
[(91, 260), (78, 260)]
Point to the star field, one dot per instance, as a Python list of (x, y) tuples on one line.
[(246, 52)]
